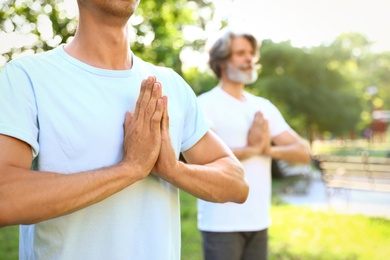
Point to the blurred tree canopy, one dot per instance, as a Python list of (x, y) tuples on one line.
[(158, 27), (44, 25), (368, 71), (317, 98), (330, 88)]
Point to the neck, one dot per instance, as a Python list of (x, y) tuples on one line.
[(103, 46), (234, 89)]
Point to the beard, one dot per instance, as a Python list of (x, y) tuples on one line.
[(240, 75), (112, 10)]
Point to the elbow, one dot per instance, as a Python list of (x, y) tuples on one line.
[(307, 158), (236, 197), (240, 192), (233, 187), (305, 154), (5, 214), (243, 194), (3, 222), (10, 216), (5, 219)]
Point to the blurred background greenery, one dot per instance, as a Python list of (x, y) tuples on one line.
[(338, 89)]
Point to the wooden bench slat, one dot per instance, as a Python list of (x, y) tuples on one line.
[(355, 172)]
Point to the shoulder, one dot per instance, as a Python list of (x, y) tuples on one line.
[(33, 60), (255, 98), (213, 93), (173, 84), (264, 102), (149, 68)]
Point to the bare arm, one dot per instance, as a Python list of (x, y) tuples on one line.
[(288, 145), (211, 173), (28, 196)]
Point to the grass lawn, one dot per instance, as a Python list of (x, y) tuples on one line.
[(9, 243), (297, 233), (352, 147), (301, 233)]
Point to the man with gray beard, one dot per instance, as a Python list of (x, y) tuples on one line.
[(248, 125)]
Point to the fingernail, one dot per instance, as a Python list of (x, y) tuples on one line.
[(155, 87)]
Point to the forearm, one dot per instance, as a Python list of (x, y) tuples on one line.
[(245, 152), (28, 197), (219, 181), (293, 153)]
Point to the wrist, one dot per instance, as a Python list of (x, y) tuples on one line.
[(133, 171), (272, 152)]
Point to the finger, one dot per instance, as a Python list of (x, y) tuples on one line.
[(141, 94), (157, 116), (266, 128), (258, 114), (259, 117), (144, 97), (165, 116), (156, 94)]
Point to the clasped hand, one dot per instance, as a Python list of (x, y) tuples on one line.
[(258, 136), (147, 145)]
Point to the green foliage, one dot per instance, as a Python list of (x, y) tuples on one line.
[(32, 18), (320, 90), (200, 82), (159, 38), (302, 85), (351, 55), (157, 27), (323, 90)]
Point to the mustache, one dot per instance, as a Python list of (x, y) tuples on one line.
[(249, 66)]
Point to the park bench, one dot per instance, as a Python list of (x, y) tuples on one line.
[(355, 172), (297, 177)]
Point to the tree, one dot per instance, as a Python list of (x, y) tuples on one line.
[(32, 20), (352, 55), (158, 27), (313, 97)]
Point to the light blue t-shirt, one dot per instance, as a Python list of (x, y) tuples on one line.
[(72, 115)]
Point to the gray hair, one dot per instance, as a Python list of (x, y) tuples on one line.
[(220, 51)]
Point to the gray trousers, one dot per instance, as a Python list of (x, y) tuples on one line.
[(235, 245)]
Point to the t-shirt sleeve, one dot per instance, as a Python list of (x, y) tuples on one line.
[(18, 112), (195, 123)]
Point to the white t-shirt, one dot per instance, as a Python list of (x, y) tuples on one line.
[(72, 115), (231, 119)]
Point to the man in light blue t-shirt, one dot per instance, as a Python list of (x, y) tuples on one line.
[(88, 155)]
